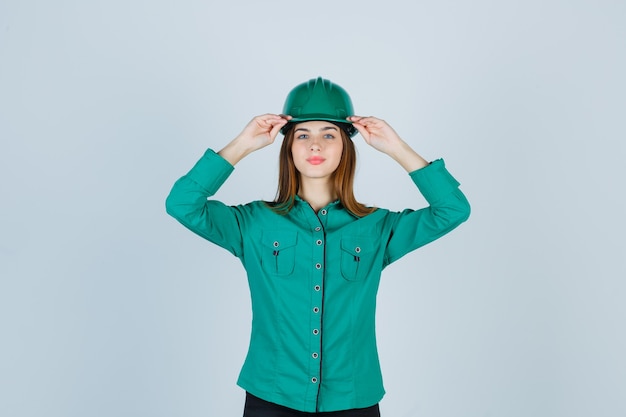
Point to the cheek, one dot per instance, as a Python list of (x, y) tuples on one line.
[(296, 154), (297, 147), (294, 150), (339, 151), (337, 157)]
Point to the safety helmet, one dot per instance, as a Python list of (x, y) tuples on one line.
[(319, 99)]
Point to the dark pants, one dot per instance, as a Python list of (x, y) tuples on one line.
[(256, 407)]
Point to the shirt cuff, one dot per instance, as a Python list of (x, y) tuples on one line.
[(211, 171), (434, 181)]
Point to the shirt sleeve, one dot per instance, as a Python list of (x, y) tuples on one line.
[(448, 208), (189, 202)]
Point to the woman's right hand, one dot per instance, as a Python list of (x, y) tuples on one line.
[(260, 132)]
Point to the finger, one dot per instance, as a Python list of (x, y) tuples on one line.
[(272, 118), (355, 118), (365, 128), (370, 121), (362, 130), (276, 128), (265, 125)]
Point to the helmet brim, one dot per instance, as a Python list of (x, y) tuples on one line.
[(346, 125)]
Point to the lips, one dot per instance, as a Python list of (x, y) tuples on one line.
[(315, 160)]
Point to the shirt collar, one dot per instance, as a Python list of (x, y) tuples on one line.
[(327, 207)]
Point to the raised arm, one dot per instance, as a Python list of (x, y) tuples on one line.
[(189, 200), (447, 208)]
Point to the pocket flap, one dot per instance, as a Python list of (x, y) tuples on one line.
[(279, 240), (357, 245)]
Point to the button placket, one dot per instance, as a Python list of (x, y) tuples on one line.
[(322, 217), (318, 243)]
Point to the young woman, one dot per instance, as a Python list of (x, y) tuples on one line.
[(314, 256)]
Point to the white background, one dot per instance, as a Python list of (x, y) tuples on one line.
[(108, 307)]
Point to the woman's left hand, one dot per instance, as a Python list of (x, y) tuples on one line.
[(379, 135)]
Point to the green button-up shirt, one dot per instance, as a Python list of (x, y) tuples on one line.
[(313, 280)]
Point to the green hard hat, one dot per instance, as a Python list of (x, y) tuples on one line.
[(319, 99)]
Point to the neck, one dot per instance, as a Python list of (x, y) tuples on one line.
[(317, 192)]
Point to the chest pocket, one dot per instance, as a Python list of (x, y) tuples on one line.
[(357, 257), (278, 255)]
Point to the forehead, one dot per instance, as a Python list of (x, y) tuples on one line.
[(314, 125)]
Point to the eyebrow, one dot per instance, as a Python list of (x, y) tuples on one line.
[(321, 130)]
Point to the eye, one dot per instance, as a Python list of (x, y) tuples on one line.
[(302, 136), (329, 136)]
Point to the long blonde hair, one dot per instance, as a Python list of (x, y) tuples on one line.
[(343, 177)]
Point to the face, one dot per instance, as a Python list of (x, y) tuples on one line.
[(316, 149)]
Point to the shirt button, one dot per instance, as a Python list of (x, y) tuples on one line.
[(316, 310), (315, 355), (276, 244), (317, 288), (323, 212), (316, 332), (317, 229), (318, 266), (314, 380), (357, 249), (318, 242)]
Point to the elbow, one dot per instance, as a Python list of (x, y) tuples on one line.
[(172, 207), (464, 210), (457, 213)]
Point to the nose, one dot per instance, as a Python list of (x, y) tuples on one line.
[(315, 144)]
